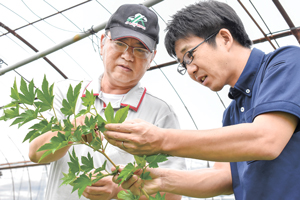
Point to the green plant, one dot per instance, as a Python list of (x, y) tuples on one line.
[(30, 103)]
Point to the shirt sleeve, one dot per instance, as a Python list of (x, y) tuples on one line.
[(279, 89), (170, 120)]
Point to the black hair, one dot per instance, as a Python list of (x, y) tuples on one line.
[(203, 19)]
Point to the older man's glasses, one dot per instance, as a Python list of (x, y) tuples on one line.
[(122, 47), (188, 57)]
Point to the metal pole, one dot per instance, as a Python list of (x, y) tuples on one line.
[(65, 43)]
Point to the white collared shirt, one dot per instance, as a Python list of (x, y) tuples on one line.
[(143, 105)]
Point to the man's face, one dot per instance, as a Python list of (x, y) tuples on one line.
[(209, 66), (123, 69)]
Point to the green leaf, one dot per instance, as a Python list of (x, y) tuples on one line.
[(109, 113), (45, 96), (39, 128), (70, 104), (99, 169), (25, 117), (126, 173), (88, 163), (127, 195), (56, 143), (82, 112), (74, 166), (140, 161), (28, 95), (154, 159), (121, 115), (15, 92), (68, 178), (101, 123), (158, 197), (81, 183), (146, 176), (89, 99), (10, 113), (96, 143)]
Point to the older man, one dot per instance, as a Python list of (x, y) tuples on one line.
[(258, 148), (127, 47)]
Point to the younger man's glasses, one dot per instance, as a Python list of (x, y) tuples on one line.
[(189, 57), (122, 47)]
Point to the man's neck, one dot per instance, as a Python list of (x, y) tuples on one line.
[(113, 88)]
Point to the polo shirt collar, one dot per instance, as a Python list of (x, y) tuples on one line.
[(133, 98), (245, 83)]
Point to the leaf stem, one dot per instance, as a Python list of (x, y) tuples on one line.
[(145, 193), (102, 154)]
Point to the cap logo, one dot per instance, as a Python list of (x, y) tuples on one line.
[(137, 21)]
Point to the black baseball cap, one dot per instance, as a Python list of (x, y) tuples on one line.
[(135, 21)]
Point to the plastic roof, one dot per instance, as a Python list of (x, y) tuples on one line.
[(44, 24)]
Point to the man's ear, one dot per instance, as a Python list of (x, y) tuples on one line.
[(152, 57), (226, 38), (102, 42)]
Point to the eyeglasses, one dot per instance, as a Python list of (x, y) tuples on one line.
[(122, 47), (188, 57)]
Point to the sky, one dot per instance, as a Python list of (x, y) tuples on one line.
[(195, 105)]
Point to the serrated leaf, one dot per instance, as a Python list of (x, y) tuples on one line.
[(140, 161), (96, 143), (28, 94), (68, 179), (81, 183), (45, 96), (70, 104), (87, 163), (146, 176), (101, 123), (127, 195), (158, 197), (74, 166), (99, 169), (154, 159), (121, 115), (56, 143), (109, 113), (10, 113), (12, 104), (66, 109), (126, 173), (14, 92), (89, 99), (82, 112), (25, 117)]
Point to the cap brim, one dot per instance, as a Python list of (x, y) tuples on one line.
[(121, 32)]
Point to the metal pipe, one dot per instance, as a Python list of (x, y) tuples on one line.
[(275, 36), (286, 17), (65, 43), (255, 24), (59, 12), (33, 48)]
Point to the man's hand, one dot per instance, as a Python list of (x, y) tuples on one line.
[(136, 137), (104, 189), (79, 122), (135, 183)]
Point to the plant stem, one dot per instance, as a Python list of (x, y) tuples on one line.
[(145, 193), (102, 154)]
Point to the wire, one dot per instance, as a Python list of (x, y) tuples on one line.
[(12, 177), (45, 20), (26, 167), (263, 21), (104, 7), (47, 37)]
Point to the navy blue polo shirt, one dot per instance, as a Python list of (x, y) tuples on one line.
[(268, 83)]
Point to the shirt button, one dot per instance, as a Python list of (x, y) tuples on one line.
[(247, 91), (242, 109)]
